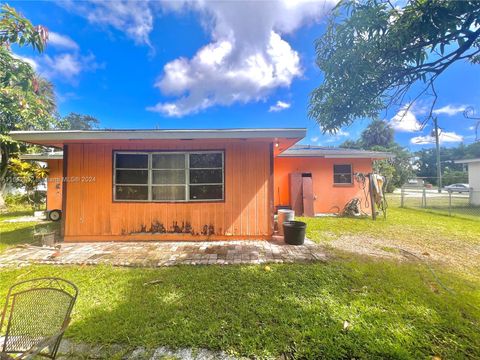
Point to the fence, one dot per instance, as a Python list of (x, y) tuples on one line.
[(447, 202)]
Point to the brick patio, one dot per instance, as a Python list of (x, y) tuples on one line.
[(156, 254)]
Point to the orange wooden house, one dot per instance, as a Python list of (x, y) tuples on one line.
[(130, 185), (315, 180)]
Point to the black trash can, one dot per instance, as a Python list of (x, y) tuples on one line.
[(294, 232)]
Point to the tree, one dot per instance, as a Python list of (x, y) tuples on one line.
[(378, 133), (396, 170), (373, 52), (28, 175), (351, 144), (425, 162), (26, 100), (379, 136), (74, 121)]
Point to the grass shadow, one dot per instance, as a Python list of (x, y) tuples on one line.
[(299, 310), (17, 233)]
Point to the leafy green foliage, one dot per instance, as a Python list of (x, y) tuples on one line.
[(74, 121), (378, 133), (372, 53), (15, 29), (29, 175), (454, 176), (453, 173), (22, 202), (26, 101), (396, 170), (378, 136)]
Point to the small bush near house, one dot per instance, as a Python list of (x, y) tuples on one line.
[(20, 202)]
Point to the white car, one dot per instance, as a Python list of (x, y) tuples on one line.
[(460, 188)]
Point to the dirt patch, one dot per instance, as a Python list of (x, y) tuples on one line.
[(460, 255)]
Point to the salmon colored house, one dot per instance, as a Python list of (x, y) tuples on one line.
[(131, 185), (316, 180)]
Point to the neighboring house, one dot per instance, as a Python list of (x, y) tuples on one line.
[(54, 162), (473, 178), (129, 185), (316, 180)]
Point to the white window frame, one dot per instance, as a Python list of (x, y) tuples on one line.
[(150, 170), (351, 174)]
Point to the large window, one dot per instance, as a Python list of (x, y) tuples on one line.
[(168, 176), (342, 174)]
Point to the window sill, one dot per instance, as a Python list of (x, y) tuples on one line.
[(343, 185), (167, 202)]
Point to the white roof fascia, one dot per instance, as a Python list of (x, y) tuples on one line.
[(66, 135)]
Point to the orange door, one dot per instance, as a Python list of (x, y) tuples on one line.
[(307, 195), (296, 201)]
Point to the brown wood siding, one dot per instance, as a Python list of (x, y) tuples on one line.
[(91, 213)]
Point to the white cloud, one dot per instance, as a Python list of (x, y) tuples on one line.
[(450, 110), (132, 17), (247, 58), (245, 61), (65, 67), (279, 106), (444, 137), (405, 121), (314, 139), (65, 64), (211, 77), (61, 41)]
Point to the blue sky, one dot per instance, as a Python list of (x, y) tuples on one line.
[(211, 65)]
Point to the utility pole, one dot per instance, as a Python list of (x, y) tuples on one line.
[(437, 144)]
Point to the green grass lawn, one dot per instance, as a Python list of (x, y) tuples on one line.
[(15, 233), (396, 310), (459, 205), (401, 223)]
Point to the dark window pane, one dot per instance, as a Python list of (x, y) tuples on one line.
[(132, 161), (206, 192), (168, 176), (342, 169), (168, 193), (132, 177), (208, 160), (168, 161), (131, 192), (342, 179), (206, 176)]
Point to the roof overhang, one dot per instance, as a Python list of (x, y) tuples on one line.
[(58, 155), (467, 161), (283, 138), (332, 154)]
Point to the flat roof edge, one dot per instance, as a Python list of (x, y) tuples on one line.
[(467, 161), (66, 135), (340, 156), (41, 157)]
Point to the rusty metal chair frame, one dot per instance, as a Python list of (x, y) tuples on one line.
[(50, 341)]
